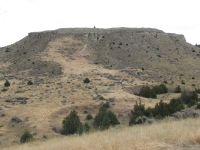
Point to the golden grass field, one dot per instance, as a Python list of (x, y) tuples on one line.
[(168, 134)]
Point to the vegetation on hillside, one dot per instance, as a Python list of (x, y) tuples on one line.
[(105, 118), (26, 137), (162, 109), (71, 123), (7, 83), (148, 92)]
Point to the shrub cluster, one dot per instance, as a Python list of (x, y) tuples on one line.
[(26, 137), (106, 105), (83, 128), (147, 92), (89, 117), (71, 123), (7, 83), (190, 98), (105, 118), (29, 83), (198, 106), (178, 89), (160, 89), (160, 110), (86, 80), (139, 110), (197, 90)]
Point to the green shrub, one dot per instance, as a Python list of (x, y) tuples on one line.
[(160, 110), (86, 127), (148, 112), (26, 137), (89, 117), (4, 90), (138, 111), (86, 80), (80, 129), (175, 105), (158, 89), (71, 123), (7, 83), (178, 89), (164, 88), (29, 83), (104, 119), (197, 90), (7, 49), (192, 103), (106, 105), (145, 91), (198, 106), (189, 97)]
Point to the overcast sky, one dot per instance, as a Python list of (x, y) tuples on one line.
[(19, 17)]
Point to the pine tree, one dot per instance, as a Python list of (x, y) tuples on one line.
[(71, 123)]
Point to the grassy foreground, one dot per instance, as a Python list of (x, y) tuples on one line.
[(182, 134)]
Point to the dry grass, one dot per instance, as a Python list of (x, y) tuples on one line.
[(45, 108), (183, 134)]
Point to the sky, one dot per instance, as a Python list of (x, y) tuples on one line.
[(20, 17)]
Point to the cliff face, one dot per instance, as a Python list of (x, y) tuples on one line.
[(164, 54)]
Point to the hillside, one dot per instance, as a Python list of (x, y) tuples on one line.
[(117, 61)]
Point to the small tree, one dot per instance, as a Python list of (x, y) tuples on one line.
[(104, 119), (80, 129), (71, 123), (189, 97), (158, 89), (26, 137), (164, 88), (89, 117), (145, 91), (86, 80), (7, 83), (198, 106), (29, 83), (106, 105), (138, 111), (86, 127), (178, 89), (175, 105)]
